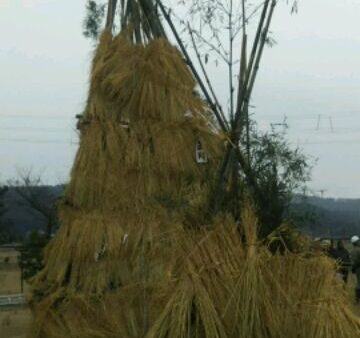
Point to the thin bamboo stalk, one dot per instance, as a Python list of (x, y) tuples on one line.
[(259, 55), (212, 105), (122, 14), (206, 75), (110, 14), (152, 18), (230, 65), (246, 90), (254, 71), (251, 60), (242, 78)]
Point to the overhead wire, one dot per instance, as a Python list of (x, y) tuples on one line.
[(26, 140), (35, 129), (36, 116), (313, 131)]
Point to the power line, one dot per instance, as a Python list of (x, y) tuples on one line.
[(337, 131), (330, 142), (6, 140), (30, 116), (32, 129), (308, 117)]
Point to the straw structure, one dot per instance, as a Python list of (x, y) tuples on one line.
[(135, 181), (133, 257), (226, 287)]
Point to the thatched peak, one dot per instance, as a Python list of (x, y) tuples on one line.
[(143, 124)]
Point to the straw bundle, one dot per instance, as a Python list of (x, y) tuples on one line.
[(143, 124), (216, 285), (226, 288), (125, 263), (134, 181)]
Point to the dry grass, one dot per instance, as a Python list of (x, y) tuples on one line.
[(150, 89), (126, 263), (141, 180), (210, 284)]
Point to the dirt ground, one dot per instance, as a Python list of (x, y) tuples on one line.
[(9, 282), (14, 322)]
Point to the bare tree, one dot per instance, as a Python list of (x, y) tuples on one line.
[(3, 190), (37, 197), (4, 231)]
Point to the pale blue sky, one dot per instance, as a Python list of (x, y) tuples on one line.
[(314, 69)]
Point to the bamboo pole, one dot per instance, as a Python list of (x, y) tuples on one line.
[(245, 93), (246, 82), (241, 78), (212, 105), (206, 75), (122, 14), (152, 18), (259, 55), (251, 61), (110, 14), (230, 64)]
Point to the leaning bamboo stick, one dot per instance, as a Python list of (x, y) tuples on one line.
[(247, 87), (152, 18), (259, 55), (206, 75), (252, 56), (212, 105), (110, 14)]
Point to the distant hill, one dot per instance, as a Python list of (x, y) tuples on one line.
[(328, 216), (318, 217)]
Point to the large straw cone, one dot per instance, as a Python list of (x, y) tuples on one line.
[(135, 182), (132, 190), (150, 89)]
